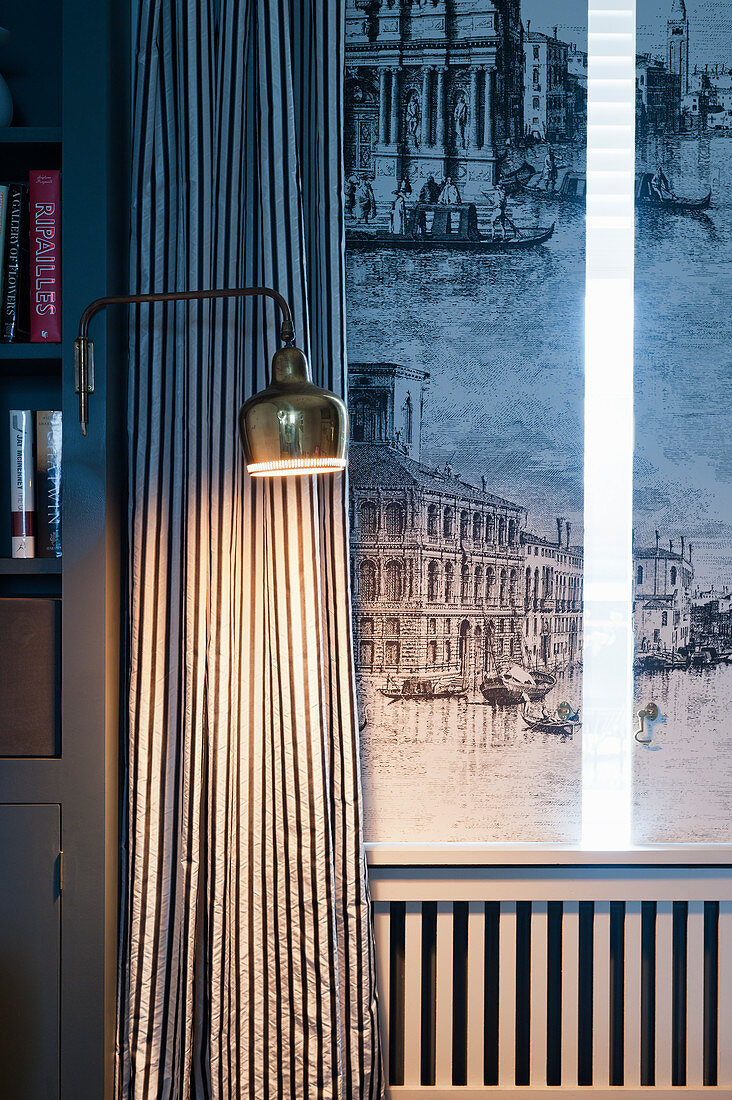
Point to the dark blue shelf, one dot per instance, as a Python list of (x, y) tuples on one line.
[(38, 135), (30, 351), (28, 567)]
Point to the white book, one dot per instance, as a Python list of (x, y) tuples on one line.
[(22, 484)]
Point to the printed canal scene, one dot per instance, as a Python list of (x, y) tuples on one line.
[(683, 467), (465, 139)]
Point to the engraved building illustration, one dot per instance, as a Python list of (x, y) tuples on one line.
[(447, 580), (432, 89)]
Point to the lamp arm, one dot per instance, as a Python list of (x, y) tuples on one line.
[(84, 348)]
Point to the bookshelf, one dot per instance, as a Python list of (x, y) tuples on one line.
[(24, 135), (30, 351), (67, 66), (29, 567)]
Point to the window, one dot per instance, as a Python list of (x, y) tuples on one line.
[(439, 521), (464, 524), (433, 593), (478, 588), (607, 802), (407, 414), (394, 520), (673, 576), (368, 517), (367, 625), (432, 626), (367, 584), (366, 655), (465, 583), (664, 618), (394, 580), (391, 653), (391, 626), (432, 653), (490, 578)]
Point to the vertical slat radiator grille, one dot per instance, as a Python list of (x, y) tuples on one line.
[(494, 979)]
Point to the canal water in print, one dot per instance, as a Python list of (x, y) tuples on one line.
[(682, 779), (451, 770), (683, 464)]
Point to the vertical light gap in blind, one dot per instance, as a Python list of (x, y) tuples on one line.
[(608, 687)]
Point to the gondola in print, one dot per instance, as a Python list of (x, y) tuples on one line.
[(452, 228)]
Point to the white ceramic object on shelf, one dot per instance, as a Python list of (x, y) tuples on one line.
[(6, 100)]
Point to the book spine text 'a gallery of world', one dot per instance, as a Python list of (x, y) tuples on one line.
[(15, 275)]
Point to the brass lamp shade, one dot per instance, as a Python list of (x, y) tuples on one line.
[(293, 427)]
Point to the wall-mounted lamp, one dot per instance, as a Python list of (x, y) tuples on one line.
[(291, 428)]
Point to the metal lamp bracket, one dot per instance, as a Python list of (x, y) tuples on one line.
[(84, 349), (83, 376)]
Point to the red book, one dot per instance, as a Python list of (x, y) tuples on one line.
[(45, 256)]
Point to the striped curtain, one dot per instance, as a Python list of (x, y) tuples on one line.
[(246, 961)]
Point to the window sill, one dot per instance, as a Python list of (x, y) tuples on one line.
[(544, 855)]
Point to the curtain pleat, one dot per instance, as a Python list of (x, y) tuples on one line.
[(246, 962)]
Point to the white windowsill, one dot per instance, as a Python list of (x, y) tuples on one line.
[(543, 855)]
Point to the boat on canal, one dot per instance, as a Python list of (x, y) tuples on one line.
[(424, 688), (704, 656), (434, 227), (571, 186), (509, 686), (696, 655), (656, 661), (548, 723), (645, 196)]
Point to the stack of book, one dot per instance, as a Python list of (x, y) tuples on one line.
[(35, 483), (30, 273)]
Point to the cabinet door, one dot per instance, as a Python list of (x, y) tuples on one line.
[(29, 952)]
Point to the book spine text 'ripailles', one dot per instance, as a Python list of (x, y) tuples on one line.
[(45, 256)]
